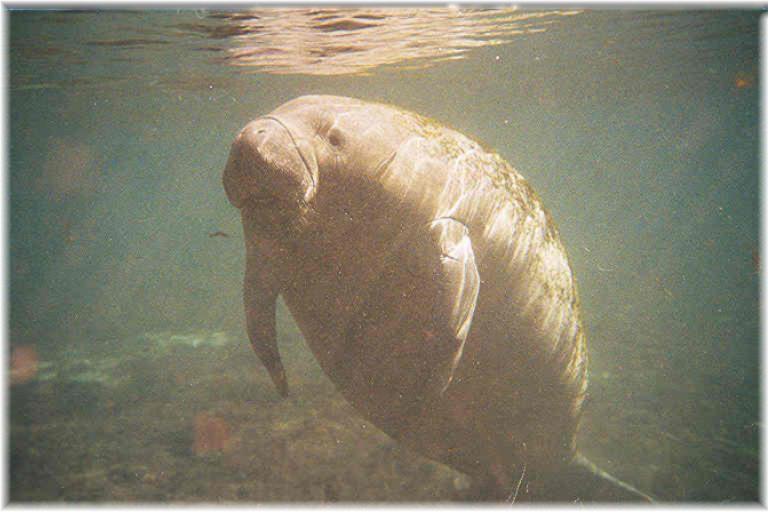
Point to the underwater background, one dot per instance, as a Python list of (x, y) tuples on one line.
[(131, 378)]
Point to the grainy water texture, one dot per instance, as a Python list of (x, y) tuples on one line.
[(131, 376)]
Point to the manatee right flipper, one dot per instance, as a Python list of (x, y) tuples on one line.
[(459, 288), (260, 291)]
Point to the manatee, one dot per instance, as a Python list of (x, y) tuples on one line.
[(430, 284)]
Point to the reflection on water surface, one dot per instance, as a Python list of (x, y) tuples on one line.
[(273, 40), (351, 41)]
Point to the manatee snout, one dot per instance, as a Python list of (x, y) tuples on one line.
[(266, 166)]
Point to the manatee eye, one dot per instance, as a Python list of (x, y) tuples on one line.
[(335, 138)]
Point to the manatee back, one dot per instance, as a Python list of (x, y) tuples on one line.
[(521, 259)]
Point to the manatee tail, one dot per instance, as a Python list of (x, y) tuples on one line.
[(578, 481), (590, 483)]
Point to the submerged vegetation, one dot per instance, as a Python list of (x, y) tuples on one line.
[(194, 418), (188, 418)]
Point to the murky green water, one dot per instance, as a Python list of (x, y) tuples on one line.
[(132, 379)]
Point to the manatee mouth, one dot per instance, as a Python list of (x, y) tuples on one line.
[(296, 148)]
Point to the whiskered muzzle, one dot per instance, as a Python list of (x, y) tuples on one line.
[(265, 162)]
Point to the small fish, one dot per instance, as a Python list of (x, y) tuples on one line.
[(218, 233)]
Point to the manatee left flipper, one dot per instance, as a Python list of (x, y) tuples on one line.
[(260, 291), (459, 285)]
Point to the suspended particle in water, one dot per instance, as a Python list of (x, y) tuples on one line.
[(755, 261), (211, 434), (23, 364), (742, 82)]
